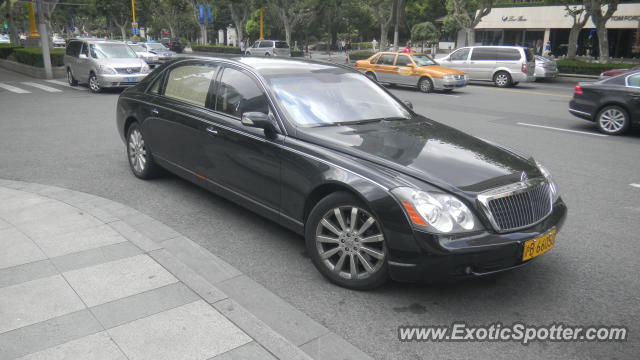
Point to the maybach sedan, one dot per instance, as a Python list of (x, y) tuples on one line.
[(377, 190)]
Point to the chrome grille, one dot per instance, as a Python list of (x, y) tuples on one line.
[(134, 70), (458, 77), (521, 208)]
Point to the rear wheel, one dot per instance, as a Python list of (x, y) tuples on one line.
[(502, 79), (70, 79), (346, 242), (613, 120), (425, 85)]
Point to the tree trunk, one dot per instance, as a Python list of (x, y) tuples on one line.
[(396, 11), (470, 36), (172, 32), (287, 32), (13, 29), (123, 31), (573, 41), (239, 33), (384, 31), (603, 43)]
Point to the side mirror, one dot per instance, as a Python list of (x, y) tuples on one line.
[(82, 56), (257, 120), (408, 103)]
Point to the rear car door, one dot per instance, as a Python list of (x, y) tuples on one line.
[(385, 68), (243, 159), (482, 63)]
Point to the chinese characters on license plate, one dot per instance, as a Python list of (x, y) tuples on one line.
[(539, 245), (130, 79)]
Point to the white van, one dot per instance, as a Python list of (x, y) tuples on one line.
[(504, 65)]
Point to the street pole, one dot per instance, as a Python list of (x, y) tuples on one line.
[(262, 24), (33, 32), (44, 40), (134, 23)]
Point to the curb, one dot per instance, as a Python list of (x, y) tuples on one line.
[(281, 329)]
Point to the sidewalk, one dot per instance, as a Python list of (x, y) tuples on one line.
[(83, 277)]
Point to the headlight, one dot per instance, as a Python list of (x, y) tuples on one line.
[(144, 69), (552, 184), (448, 77), (103, 69), (436, 212)]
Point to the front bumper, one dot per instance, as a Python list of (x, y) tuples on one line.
[(442, 83), (120, 80), (443, 259)]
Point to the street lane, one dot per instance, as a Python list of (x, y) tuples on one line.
[(69, 139)]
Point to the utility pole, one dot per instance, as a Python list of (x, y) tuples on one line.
[(262, 24), (44, 40), (134, 23)]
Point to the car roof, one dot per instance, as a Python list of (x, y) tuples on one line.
[(400, 53)]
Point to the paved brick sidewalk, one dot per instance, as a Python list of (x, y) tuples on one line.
[(82, 277)]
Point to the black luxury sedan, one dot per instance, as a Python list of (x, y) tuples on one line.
[(613, 103), (377, 190)]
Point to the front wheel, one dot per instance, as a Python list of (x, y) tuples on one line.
[(425, 85), (346, 242), (94, 84), (70, 79), (140, 159), (613, 120)]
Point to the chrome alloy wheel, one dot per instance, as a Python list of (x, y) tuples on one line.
[(93, 83), (350, 243), (502, 80), (612, 120), (137, 152)]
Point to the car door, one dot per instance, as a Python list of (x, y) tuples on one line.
[(457, 59), (482, 63), (385, 68), (632, 95), (243, 159), (178, 119), (404, 73)]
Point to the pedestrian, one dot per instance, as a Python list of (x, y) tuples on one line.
[(547, 49), (373, 43), (407, 49)]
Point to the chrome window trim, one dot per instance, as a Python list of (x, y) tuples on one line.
[(626, 80), (509, 190)]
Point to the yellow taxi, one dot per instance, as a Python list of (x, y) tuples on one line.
[(414, 69)]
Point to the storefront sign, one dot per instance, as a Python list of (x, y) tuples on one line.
[(514, 18), (626, 18)]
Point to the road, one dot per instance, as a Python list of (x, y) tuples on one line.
[(68, 138)]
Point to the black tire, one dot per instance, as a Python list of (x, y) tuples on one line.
[(425, 85), (94, 84), (502, 79), (365, 280), (267, 54), (371, 76), (247, 53), (613, 120), (149, 169), (70, 79)]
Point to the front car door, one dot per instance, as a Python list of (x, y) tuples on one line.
[(405, 71), (457, 59), (84, 63)]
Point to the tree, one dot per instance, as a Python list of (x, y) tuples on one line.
[(467, 14), (600, 21), (398, 16), (11, 20), (425, 32), (195, 7), (291, 13), (170, 12), (118, 12), (382, 11), (580, 17), (240, 10)]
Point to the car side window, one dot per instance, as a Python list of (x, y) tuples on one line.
[(73, 48), (374, 59), (616, 80), (386, 59), (482, 53), (633, 80), (238, 93), (460, 55), (85, 49), (266, 44), (403, 60), (507, 54), (155, 87), (190, 83)]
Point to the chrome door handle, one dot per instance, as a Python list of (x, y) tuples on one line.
[(212, 130), (155, 111)]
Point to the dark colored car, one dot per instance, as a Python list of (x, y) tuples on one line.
[(613, 103), (618, 71), (376, 189), (173, 44)]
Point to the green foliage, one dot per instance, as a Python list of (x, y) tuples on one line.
[(217, 49), (585, 68), (360, 55), (297, 53), (6, 50), (362, 45), (33, 56), (426, 32)]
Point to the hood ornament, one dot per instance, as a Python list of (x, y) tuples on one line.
[(523, 179)]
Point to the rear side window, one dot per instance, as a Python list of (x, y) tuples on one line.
[(238, 93), (190, 83), (282, 45), (507, 54), (460, 55), (266, 44), (403, 60), (483, 53), (386, 59), (633, 80)]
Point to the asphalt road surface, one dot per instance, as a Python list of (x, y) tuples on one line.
[(68, 138)]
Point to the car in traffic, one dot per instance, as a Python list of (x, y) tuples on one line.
[(377, 190), (412, 69), (164, 54), (615, 72), (545, 68), (612, 103), (503, 65), (149, 57), (58, 42), (103, 64), (269, 48), (4, 39), (172, 44)]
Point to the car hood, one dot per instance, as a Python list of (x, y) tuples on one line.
[(429, 151), (124, 62), (442, 70)]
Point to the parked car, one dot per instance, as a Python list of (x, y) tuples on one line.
[(173, 44), (613, 103), (545, 68), (376, 189), (269, 48), (618, 72), (504, 65), (414, 69), (103, 64), (58, 42), (149, 57), (4, 39), (157, 48)]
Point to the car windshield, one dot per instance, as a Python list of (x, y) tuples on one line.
[(137, 48), (424, 60), (333, 97), (156, 46), (109, 51)]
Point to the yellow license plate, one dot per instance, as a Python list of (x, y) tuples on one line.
[(539, 245)]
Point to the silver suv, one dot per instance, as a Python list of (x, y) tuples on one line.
[(102, 64), (269, 48), (504, 65)]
